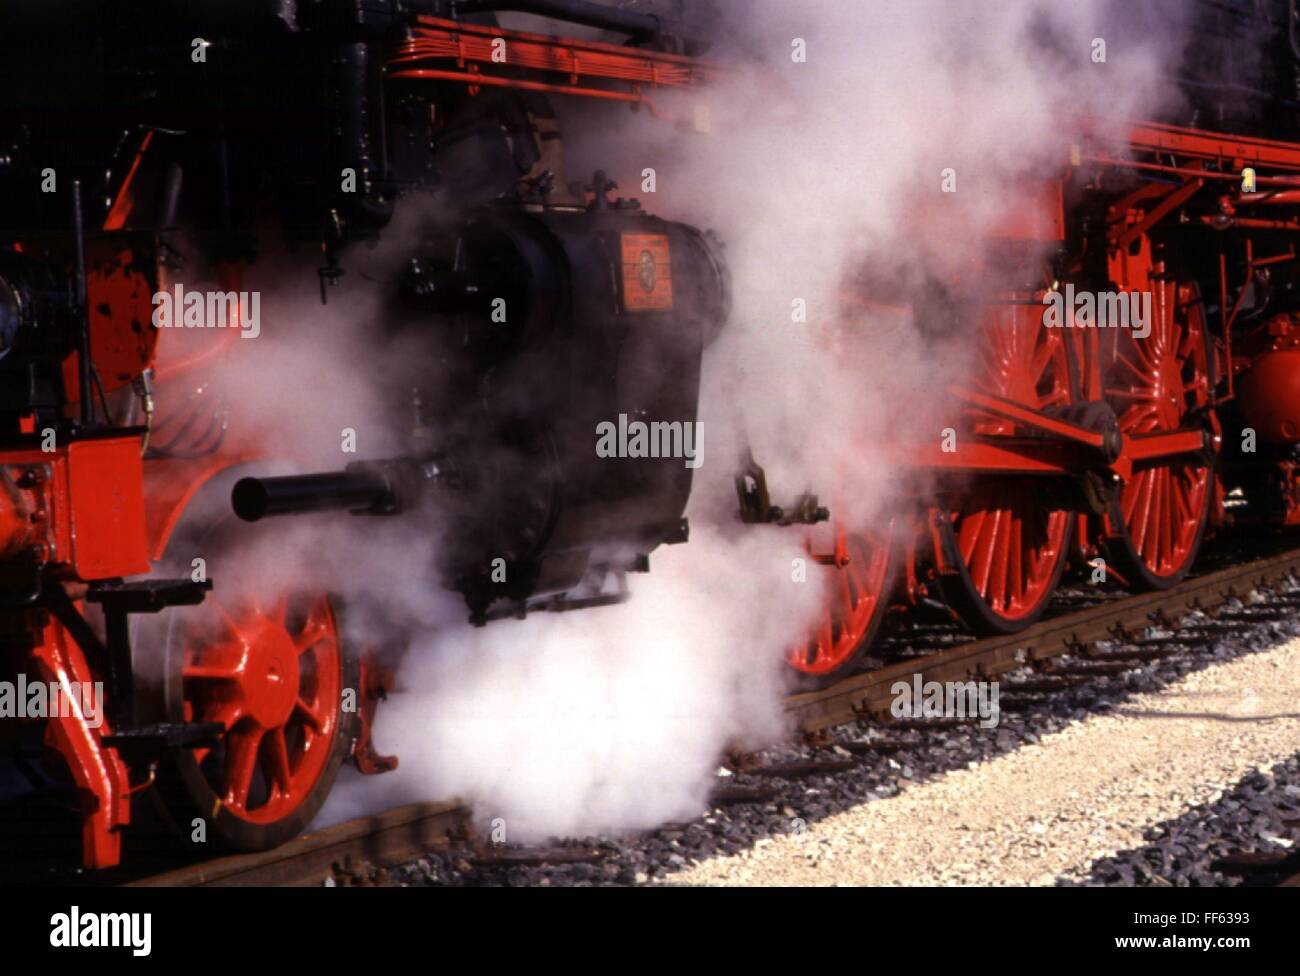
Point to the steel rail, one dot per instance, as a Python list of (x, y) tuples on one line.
[(869, 692), (382, 840)]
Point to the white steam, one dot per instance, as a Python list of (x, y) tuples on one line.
[(614, 719)]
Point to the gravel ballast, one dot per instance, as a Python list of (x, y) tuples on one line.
[(754, 812), (1055, 806), (1260, 815)]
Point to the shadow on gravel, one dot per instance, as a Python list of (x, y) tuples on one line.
[(1248, 837), (1207, 716)]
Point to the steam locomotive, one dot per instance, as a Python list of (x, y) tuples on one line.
[(201, 141), (209, 140), (1114, 449)]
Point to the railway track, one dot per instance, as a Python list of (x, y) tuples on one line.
[(353, 851), (362, 851), (868, 693)]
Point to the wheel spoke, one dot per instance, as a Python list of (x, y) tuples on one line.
[(310, 636), (1002, 564), (241, 762), (1016, 568), (982, 554), (309, 714), (1137, 516), (1166, 542), (275, 760), (1043, 359), (1130, 392), (855, 603), (1151, 521)]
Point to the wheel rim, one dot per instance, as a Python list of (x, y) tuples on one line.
[(1157, 384), (273, 678), (1011, 539), (857, 601), (1011, 544)]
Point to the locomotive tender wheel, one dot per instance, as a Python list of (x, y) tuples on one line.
[(272, 671), (1010, 535), (1159, 383), (856, 605)]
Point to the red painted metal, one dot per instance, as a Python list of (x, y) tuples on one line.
[(1269, 396), (120, 276), (1269, 381), (105, 509), (1238, 151), (125, 199), (100, 774), (861, 568), (170, 486), (375, 683), (477, 55), (79, 506), (1157, 384), (93, 510), (1011, 534), (275, 684)]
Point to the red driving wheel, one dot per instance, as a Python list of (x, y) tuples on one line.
[(1010, 536), (1159, 383), (858, 597)]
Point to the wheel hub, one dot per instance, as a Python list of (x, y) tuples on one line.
[(269, 672)]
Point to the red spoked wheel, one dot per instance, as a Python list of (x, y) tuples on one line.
[(1160, 383), (272, 670), (273, 677), (275, 684), (863, 568), (1012, 545), (1010, 537)]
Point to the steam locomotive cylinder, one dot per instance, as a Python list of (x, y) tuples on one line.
[(561, 322)]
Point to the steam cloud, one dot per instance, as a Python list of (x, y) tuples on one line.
[(613, 719)]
